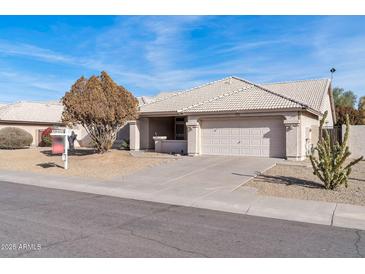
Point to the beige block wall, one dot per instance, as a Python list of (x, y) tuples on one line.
[(171, 146), (356, 140)]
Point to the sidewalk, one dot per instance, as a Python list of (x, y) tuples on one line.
[(242, 200)]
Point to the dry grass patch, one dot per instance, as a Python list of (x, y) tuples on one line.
[(298, 182), (83, 163)]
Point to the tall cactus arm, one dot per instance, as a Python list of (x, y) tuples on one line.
[(354, 162), (330, 165), (321, 123)]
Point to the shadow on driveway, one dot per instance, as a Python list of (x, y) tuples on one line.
[(289, 181)]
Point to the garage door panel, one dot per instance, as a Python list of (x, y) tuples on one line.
[(236, 131), (248, 137), (235, 150), (245, 141), (256, 142)]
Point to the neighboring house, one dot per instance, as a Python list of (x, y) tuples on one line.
[(145, 100), (31, 116), (233, 116), (35, 117)]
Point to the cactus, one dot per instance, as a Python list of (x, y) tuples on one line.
[(330, 166)]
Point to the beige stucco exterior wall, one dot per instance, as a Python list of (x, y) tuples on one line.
[(309, 126), (292, 136), (193, 136), (134, 135), (326, 106)]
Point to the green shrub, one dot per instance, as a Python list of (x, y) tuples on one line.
[(331, 166), (46, 138), (125, 144), (12, 138)]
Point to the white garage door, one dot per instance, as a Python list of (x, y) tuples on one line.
[(263, 137)]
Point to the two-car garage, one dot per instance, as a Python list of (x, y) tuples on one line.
[(262, 137)]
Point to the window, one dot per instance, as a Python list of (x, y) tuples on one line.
[(179, 128)]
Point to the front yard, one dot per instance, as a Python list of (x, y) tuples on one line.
[(83, 163), (298, 182)]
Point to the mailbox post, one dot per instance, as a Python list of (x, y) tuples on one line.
[(64, 133)]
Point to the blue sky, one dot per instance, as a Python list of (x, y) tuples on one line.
[(42, 56)]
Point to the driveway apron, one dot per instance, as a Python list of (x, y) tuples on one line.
[(192, 177)]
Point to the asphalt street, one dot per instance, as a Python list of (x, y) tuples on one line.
[(42, 222)]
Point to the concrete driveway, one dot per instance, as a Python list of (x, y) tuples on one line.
[(190, 178)]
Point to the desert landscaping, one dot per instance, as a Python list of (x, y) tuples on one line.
[(82, 162), (298, 182)]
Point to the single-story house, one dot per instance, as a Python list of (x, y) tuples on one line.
[(34, 117), (233, 116), (31, 116)]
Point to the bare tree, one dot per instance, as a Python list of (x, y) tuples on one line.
[(101, 107)]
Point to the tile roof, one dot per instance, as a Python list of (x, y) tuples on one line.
[(309, 92), (182, 99), (254, 98), (232, 93), (50, 112), (144, 100)]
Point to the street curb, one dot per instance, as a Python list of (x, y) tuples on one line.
[(239, 202)]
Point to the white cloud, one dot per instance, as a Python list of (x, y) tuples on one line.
[(31, 51), (44, 83), (152, 54)]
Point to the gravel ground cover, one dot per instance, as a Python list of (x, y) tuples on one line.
[(83, 162), (298, 182)]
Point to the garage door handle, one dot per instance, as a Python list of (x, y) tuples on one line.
[(238, 142)]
